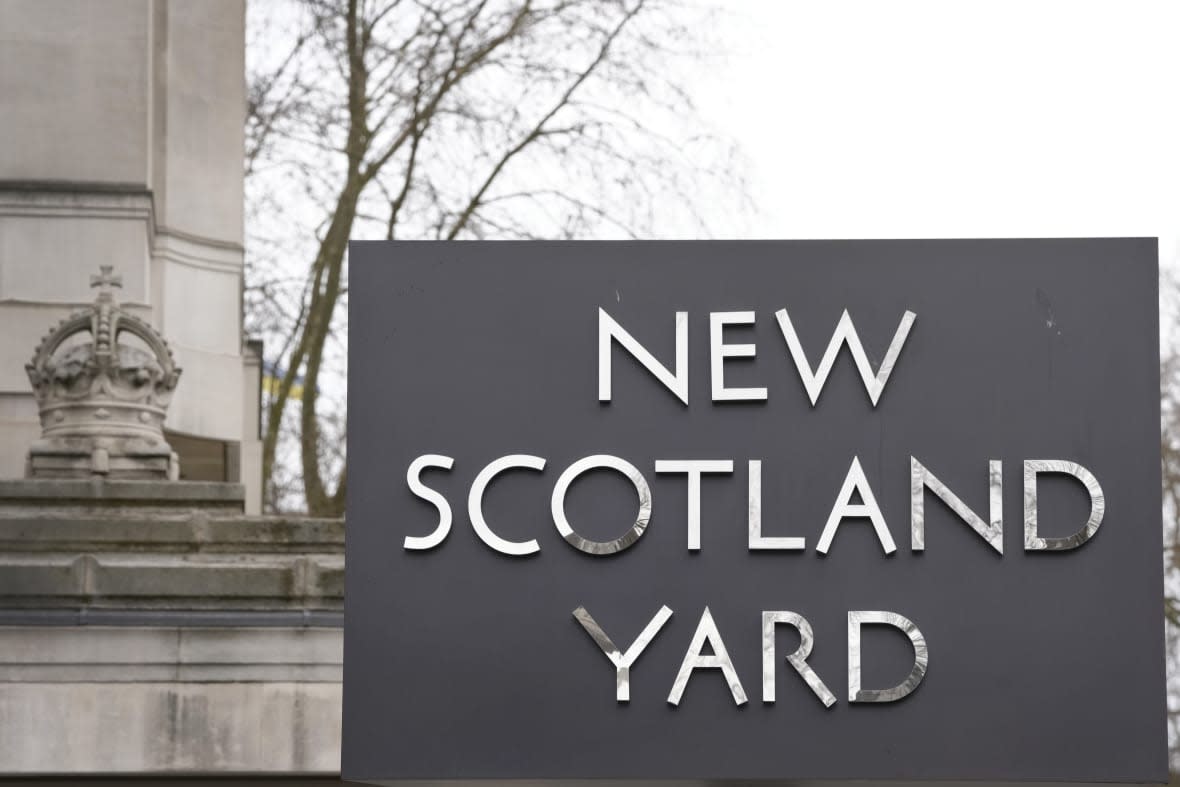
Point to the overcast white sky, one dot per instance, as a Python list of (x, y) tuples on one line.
[(937, 118)]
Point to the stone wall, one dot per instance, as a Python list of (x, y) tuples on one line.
[(152, 627), (123, 136)]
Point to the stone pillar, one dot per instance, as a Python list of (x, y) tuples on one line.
[(122, 145)]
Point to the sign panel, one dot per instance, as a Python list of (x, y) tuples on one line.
[(788, 510)]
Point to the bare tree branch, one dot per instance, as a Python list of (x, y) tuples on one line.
[(416, 118)]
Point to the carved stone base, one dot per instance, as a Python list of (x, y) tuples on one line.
[(114, 458), (149, 627)]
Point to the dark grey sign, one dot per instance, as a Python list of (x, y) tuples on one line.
[(746, 510)]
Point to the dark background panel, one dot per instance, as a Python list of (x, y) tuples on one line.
[(463, 663)]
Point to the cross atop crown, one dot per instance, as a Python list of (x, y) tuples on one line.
[(105, 280)]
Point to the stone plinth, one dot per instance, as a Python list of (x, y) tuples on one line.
[(152, 627), (46, 496)]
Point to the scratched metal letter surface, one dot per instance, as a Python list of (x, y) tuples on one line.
[(694, 469), (622, 661), (475, 504), (633, 533), (754, 516), (1032, 540), (798, 659), (718, 659), (991, 531), (921, 656)]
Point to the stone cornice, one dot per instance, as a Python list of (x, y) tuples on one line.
[(167, 547), (206, 654), (83, 201), (194, 252), (130, 201)]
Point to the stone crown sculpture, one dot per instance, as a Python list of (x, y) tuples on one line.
[(103, 395)]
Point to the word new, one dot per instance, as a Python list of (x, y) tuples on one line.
[(813, 380)]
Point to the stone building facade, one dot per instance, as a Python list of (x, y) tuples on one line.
[(148, 625), (121, 145)]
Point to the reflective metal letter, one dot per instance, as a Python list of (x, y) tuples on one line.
[(557, 505), (798, 659), (694, 659), (414, 481), (921, 657), (845, 333), (609, 329), (922, 479), (855, 481), (475, 504), (1032, 541), (719, 351), (754, 517), (622, 661), (694, 468)]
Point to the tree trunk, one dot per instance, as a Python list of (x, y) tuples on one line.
[(318, 325)]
